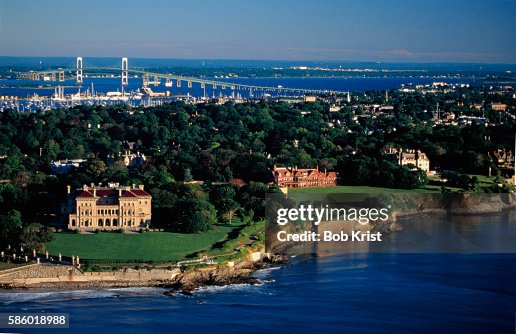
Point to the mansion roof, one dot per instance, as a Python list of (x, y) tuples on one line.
[(122, 192), (282, 172)]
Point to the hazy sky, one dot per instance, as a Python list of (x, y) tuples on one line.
[(362, 30)]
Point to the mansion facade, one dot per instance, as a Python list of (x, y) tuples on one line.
[(294, 177), (108, 208), (409, 157)]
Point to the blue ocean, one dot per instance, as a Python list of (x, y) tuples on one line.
[(103, 85), (354, 293)]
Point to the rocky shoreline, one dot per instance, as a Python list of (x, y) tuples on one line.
[(188, 282), (185, 282)]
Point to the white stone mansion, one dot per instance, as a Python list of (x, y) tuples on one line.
[(108, 208)]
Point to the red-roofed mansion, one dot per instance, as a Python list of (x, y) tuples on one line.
[(303, 177), (108, 208)]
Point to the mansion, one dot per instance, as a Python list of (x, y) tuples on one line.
[(303, 178), (409, 157), (502, 158), (108, 208)]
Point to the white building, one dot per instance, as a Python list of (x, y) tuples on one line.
[(64, 166)]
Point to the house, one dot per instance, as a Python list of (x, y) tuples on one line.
[(64, 166), (107, 208), (130, 159), (133, 160), (295, 177), (405, 157), (499, 106)]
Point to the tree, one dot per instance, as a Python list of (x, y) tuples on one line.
[(93, 168), (117, 172), (10, 226), (229, 214), (188, 175), (164, 208), (34, 236), (223, 200), (251, 198), (196, 214)]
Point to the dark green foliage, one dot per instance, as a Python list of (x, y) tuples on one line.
[(216, 143), (223, 198), (196, 214), (380, 173), (34, 236), (10, 228)]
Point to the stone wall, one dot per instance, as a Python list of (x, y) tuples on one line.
[(60, 273)]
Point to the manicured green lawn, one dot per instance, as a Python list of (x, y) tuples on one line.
[(301, 194), (149, 246), (484, 179), (358, 190)]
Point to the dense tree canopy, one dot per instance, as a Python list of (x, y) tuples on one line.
[(218, 143)]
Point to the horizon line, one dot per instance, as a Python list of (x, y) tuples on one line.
[(276, 60)]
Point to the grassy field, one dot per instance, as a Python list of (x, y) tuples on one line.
[(149, 246), (360, 190), (314, 194), (484, 181)]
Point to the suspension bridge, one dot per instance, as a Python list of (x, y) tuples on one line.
[(168, 80)]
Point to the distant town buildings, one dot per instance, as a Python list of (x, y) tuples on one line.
[(64, 166), (129, 158), (499, 106), (133, 159), (406, 157), (334, 108), (107, 208), (504, 161), (295, 177), (502, 158)]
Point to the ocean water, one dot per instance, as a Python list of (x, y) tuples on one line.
[(102, 85), (425, 74), (354, 293)]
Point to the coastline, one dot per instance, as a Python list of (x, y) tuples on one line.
[(186, 280), (176, 280)]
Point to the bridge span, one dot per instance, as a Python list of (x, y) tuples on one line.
[(169, 80)]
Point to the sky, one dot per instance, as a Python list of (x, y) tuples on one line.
[(471, 31)]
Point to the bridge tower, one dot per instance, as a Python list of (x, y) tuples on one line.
[(125, 72), (61, 75), (79, 70)]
